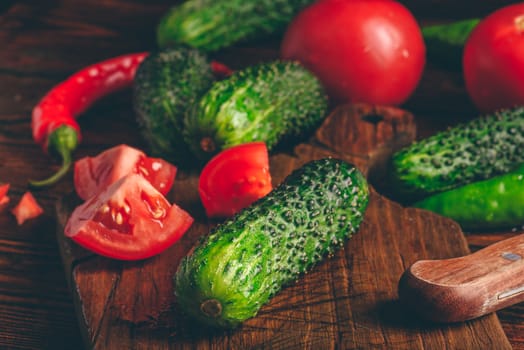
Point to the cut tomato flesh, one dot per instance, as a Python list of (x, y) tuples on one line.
[(93, 174), (27, 208), (130, 220), (160, 173), (114, 218)]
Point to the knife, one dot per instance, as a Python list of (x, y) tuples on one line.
[(467, 287)]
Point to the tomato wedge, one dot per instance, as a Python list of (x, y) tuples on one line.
[(93, 174), (4, 199), (27, 208), (235, 178), (129, 220)]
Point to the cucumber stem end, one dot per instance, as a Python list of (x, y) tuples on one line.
[(207, 145), (211, 308)]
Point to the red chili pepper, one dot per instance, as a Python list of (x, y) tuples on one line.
[(53, 120)]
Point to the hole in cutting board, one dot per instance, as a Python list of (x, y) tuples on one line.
[(373, 118), (370, 132)]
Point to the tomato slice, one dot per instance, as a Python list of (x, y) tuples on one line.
[(4, 199), (129, 220), (93, 174), (27, 208), (234, 179)]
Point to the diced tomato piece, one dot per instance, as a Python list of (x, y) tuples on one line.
[(234, 179), (93, 174), (129, 220), (27, 208), (4, 198)]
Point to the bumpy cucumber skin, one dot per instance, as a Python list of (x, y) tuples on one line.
[(167, 84), (495, 203), (210, 25), (268, 102), (249, 258), (482, 148)]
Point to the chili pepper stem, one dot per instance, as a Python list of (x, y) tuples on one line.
[(66, 164), (62, 142)]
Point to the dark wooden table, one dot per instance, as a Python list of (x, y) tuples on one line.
[(41, 43)]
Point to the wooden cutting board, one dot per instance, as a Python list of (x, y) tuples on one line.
[(349, 301)]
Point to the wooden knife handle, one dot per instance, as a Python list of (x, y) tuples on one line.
[(467, 287)]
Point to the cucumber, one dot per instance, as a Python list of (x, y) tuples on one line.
[(167, 83), (267, 102), (479, 149), (210, 25), (249, 258), (496, 203)]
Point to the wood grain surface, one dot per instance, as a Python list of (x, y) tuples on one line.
[(348, 302), (42, 42)]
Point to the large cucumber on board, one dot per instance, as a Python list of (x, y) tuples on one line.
[(252, 256), (214, 24), (267, 102)]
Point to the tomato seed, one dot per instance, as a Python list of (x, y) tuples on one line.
[(119, 219), (143, 170), (104, 209), (158, 213)]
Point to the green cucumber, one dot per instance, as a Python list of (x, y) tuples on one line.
[(445, 42), (246, 260), (495, 203), (210, 25), (167, 83), (267, 102), (484, 147)]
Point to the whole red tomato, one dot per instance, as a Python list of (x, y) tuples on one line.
[(493, 61), (362, 50)]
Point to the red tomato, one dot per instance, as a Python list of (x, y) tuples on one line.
[(362, 50), (129, 220), (493, 61), (92, 174), (26, 209), (235, 178), (4, 199)]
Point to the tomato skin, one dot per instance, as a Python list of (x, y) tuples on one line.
[(129, 220), (93, 174), (362, 50), (493, 60), (27, 208), (235, 178)]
